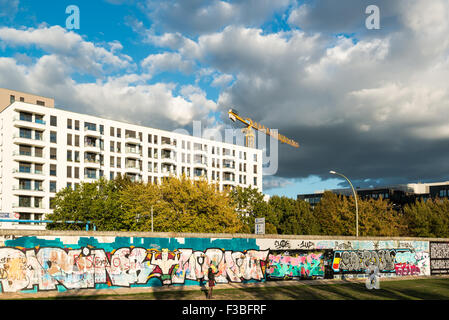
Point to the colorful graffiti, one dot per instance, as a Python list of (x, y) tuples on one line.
[(45, 263), (289, 265), (398, 261), (85, 268)]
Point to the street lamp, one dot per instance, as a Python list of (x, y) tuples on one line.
[(356, 205)]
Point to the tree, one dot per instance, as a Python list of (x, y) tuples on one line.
[(180, 205), (336, 216), (97, 202), (428, 218), (250, 204)]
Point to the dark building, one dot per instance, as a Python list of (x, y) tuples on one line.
[(398, 195)]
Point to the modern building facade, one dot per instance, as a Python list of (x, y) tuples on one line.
[(45, 149), (398, 195)]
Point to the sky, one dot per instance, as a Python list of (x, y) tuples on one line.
[(369, 103)]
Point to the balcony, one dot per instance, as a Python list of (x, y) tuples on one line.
[(91, 132), (132, 139), (92, 163), (30, 139), (132, 153), (27, 190), (26, 122), (28, 156), (228, 166), (132, 168), (24, 172), (92, 147)]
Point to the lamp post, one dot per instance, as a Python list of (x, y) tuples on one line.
[(356, 205)]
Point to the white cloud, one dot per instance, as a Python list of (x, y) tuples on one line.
[(167, 61), (222, 80), (69, 47)]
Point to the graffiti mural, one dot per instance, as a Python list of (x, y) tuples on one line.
[(74, 262), (295, 264), (439, 257), (399, 261), (47, 268)]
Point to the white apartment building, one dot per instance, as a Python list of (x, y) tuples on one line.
[(45, 149)]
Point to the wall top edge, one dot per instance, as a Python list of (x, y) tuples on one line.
[(37, 233)]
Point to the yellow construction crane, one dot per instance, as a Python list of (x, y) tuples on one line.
[(249, 134)]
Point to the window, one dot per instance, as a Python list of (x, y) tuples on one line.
[(77, 156), (53, 121), (52, 186), (69, 123), (38, 202), (255, 181), (12, 99), (25, 116), (25, 167), (25, 201), (53, 170), (112, 162), (77, 173), (112, 146), (90, 173), (150, 138), (25, 133), (77, 124), (40, 103), (38, 169), (119, 147), (38, 186), (90, 126), (25, 150), (255, 168), (39, 119), (77, 140), (53, 154), (22, 99), (53, 138), (111, 131), (111, 175), (69, 139), (155, 139), (69, 171), (69, 155), (119, 133), (39, 135), (101, 129), (38, 152), (24, 184), (119, 162)]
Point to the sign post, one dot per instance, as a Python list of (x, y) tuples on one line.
[(259, 225)]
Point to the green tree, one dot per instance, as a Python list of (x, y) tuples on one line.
[(250, 204), (336, 216), (97, 202), (428, 218), (180, 205)]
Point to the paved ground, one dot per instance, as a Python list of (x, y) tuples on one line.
[(304, 289)]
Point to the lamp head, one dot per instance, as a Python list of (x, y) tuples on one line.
[(332, 172)]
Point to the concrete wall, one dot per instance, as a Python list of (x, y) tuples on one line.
[(32, 261), (5, 100)]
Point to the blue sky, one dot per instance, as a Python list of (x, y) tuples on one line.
[(310, 69)]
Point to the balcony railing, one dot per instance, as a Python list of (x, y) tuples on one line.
[(21, 118)]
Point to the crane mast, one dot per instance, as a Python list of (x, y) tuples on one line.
[(250, 125)]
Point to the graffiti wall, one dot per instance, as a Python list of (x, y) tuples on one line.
[(62, 263)]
